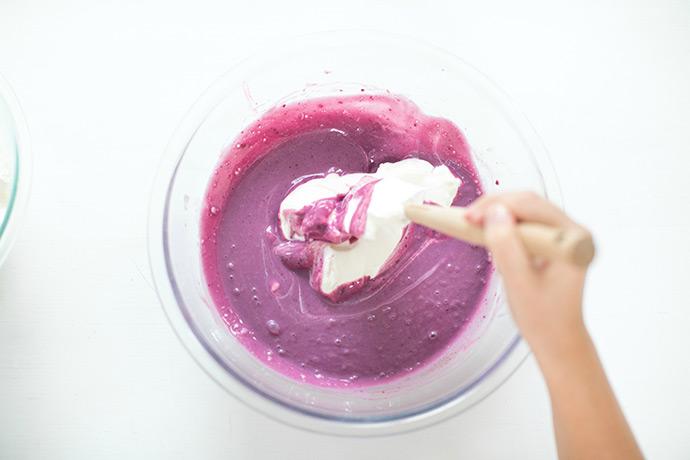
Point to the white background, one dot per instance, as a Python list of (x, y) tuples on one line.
[(89, 367)]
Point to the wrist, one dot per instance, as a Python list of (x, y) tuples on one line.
[(560, 350)]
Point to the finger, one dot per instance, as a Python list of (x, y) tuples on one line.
[(527, 207), (509, 254)]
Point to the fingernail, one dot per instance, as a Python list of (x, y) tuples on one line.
[(498, 214), (473, 216)]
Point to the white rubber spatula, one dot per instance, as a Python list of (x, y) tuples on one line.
[(572, 245)]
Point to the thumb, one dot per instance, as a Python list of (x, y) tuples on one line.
[(501, 236)]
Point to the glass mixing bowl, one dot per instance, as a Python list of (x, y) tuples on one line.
[(15, 168), (508, 156)]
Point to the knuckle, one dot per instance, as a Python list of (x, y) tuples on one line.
[(526, 197)]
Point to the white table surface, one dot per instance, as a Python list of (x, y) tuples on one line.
[(90, 368)]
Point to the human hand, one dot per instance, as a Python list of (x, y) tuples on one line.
[(545, 296)]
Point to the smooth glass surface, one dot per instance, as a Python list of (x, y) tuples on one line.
[(504, 148), (16, 155)]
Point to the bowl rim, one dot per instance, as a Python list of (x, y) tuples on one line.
[(20, 186), (186, 331)]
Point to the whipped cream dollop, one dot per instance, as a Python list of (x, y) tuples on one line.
[(345, 228)]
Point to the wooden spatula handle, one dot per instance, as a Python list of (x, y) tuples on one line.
[(572, 245)]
